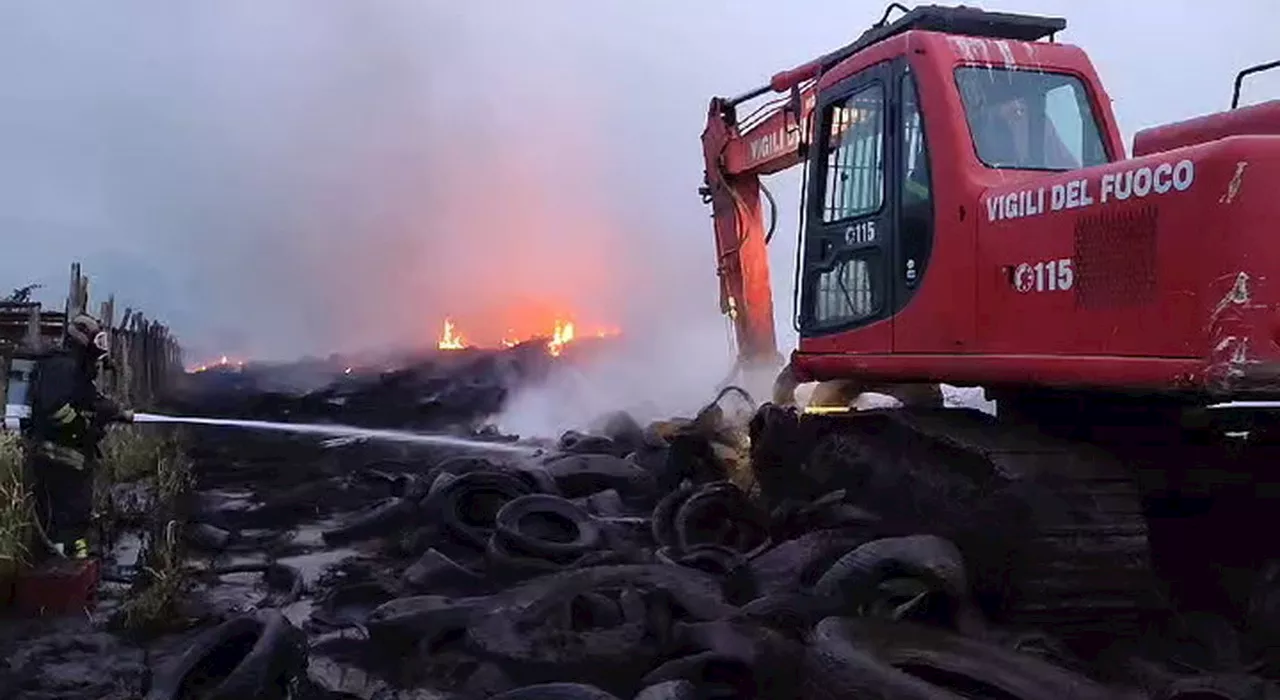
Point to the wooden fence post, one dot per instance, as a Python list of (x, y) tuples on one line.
[(146, 357), (33, 339), (73, 292)]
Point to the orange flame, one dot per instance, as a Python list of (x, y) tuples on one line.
[(223, 362), (563, 333), (451, 339)]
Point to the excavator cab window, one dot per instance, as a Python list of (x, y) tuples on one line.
[(855, 151), (915, 164), (847, 287), (1030, 120)]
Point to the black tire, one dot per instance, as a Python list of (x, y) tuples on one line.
[(730, 677), (799, 563), (792, 519), (619, 426), (467, 506), (514, 527), (251, 656), (1225, 687), (537, 478), (934, 560), (579, 475), (377, 519), (663, 521), (940, 660), (464, 464), (835, 668), (411, 487), (793, 613), (655, 460), (726, 504), (669, 690), (511, 563), (350, 604), (524, 628), (725, 563), (581, 443), (393, 473), (714, 559), (404, 623), (596, 610), (556, 691), (733, 659), (284, 583), (609, 557), (435, 572), (605, 504), (436, 481)]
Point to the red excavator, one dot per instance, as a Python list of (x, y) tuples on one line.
[(970, 217)]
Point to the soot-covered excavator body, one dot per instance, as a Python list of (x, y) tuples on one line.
[(970, 217)]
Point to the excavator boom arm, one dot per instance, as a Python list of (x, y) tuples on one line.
[(737, 152)]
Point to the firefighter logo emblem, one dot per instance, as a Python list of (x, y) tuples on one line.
[(1024, 278)]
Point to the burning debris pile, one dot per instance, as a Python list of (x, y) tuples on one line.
[(623, 562), (456, 384), (563, 333)]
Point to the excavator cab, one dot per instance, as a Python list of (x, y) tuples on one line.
[(910, 124), (970, 216), (890, 130)]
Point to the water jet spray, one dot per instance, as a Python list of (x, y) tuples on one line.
[(339, 431)]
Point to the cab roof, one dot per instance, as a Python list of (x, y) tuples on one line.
[(959, 20)]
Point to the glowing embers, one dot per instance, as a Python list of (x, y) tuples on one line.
[(222, 363)]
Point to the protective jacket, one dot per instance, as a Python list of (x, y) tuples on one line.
[(68, 414)]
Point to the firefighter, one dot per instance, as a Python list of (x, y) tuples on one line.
[(69, 416)]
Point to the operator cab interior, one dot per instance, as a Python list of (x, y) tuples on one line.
[(1029, 120)]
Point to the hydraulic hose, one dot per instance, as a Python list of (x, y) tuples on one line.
[(773, 213)]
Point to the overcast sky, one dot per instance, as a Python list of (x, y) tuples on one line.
[(279, 178)]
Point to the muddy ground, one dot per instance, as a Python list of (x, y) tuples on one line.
[(621, 564)]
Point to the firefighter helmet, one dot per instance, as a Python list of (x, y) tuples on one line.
[(86, 332)]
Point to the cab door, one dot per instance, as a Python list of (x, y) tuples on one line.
[(934, 324), (843, 276)]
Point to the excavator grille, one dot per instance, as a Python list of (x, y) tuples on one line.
[(1116, 257)]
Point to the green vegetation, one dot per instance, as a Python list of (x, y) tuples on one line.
[(132, 453), (15, 506), (154, 601)]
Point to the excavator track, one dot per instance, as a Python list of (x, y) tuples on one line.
[(1052, 528)]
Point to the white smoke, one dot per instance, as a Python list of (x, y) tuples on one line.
[(650, 376)]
